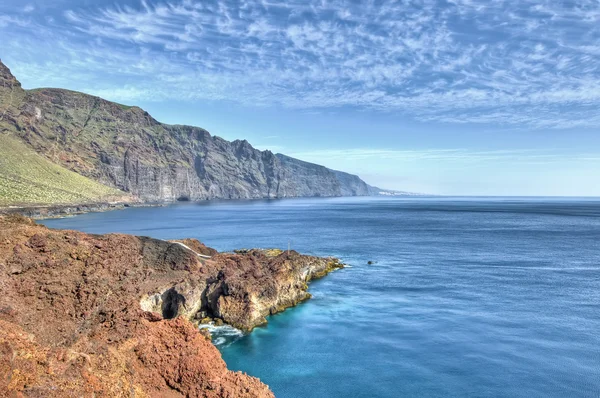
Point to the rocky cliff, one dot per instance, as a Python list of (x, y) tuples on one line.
[(106, 316), (125, 148)]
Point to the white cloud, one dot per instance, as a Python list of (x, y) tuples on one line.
[(532, 63), (455, 156), (8, 21)]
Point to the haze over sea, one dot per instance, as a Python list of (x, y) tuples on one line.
[(486, 297)]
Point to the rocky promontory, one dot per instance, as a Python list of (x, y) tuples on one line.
[(115, 315)]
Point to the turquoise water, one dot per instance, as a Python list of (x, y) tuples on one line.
[(466, 297)]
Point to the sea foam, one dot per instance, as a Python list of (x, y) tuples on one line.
[(222, 335)]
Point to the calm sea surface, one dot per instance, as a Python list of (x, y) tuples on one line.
[(465, 297)]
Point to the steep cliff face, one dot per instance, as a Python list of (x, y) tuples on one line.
[(352, 185), (125, 148), (107, 316)]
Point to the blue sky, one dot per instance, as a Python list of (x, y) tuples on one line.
[(473, 97)]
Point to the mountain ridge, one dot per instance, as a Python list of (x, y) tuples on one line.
[(124, 147)]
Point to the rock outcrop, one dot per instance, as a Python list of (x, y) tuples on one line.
[(124, 147), (251, 285), (105, 316)]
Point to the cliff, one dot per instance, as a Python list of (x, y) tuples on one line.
[(113, 315), (125, 148)]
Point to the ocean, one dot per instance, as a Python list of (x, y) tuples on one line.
[(478, 297)]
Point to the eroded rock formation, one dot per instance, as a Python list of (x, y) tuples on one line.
[(90, 315)]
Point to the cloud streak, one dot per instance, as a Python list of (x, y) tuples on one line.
[(453, 156), (532, 63)]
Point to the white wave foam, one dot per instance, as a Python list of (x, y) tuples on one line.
[(221, 335)]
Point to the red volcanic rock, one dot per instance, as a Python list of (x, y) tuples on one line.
[(105, 316), (256, 283)]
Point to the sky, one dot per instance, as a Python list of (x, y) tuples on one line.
[(451, 97)]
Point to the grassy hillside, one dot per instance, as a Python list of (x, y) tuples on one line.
[(27, 178)]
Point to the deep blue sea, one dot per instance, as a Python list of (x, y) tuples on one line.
[(478, 297)]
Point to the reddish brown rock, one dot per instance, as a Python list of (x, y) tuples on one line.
[(89, 315)]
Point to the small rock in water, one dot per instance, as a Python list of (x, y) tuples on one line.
[(370, 263)]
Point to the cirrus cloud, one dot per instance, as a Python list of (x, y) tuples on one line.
[(532, 63)]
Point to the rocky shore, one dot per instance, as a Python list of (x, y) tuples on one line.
[(43, 212), (117, 315), (56, 211)]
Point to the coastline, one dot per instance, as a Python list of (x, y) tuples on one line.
[(44, 212), (50, 211), (133, 298)]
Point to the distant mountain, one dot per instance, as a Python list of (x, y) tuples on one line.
[(322, 178), (123, 147), (374, 191)]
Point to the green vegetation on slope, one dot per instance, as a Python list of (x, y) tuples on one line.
[(27, 178)]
